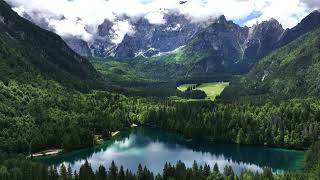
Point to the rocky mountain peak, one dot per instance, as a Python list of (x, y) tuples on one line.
[(262, 39), (152, 39), (309, 23), (222, 19), (105, 29)]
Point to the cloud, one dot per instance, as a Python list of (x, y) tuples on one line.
[(82, 17), (287, 12), (156, 17), (312, 4), (121, 28)]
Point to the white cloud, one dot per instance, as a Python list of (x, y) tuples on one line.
[(287, 12), (81, 14), (121, 28), (312, 4), (156, 17)]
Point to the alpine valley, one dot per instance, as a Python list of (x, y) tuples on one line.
[(212, 99)]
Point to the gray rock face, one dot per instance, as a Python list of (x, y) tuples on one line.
[(147, 40), (237, 43), (156, 38), (225, 43), (309, 23), (223, 37), (232, 48), (262, 39), (78, 45), (102, 45)]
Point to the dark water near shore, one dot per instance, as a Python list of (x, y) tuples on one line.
[(154, 147)]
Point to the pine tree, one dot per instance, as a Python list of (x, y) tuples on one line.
[(113, 171), (69, 172), (121, 174), (63, 172), (101, 174), (140, 172), (86, 172), (53, 174), (206, 170), (228, 173), (216, 168)]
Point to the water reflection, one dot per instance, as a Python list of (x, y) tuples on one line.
[(154, 147)]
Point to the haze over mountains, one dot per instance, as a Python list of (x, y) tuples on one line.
[(149, 39), (177, 45), (106, 28)]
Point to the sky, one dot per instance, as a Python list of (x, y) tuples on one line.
[(82, 17)]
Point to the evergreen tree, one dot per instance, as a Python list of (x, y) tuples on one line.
[(86, 172), (121, 174), (101, 173), (69, 173), (63, 172), (215, 168), (113, 171), (228, 173)]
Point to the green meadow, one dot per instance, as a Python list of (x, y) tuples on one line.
[(211, 89)]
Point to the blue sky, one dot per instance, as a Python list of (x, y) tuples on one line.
[(251, 16), (145, 1)]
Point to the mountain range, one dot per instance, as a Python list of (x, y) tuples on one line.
[(214, 46), (179, 31), (180, 48)]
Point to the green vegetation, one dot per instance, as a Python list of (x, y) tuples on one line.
[(185, 87), (291, 71), (177, 67), (122, 73), (212, 90), (287, 124), (27, 51), (49, 96)]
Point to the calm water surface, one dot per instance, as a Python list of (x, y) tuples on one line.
[(154, 147)]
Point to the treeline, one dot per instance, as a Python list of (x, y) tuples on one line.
[(290, 124), (20, 169), (193, 94), (34, 118)]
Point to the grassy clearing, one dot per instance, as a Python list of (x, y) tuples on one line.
[(211, 89), (184, 87)]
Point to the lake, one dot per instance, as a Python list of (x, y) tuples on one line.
[(154, 147)]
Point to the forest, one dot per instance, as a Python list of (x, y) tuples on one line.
[(289, 124)]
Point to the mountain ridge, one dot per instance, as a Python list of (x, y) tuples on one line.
[(290, 71), (192, 49), (26, 46)]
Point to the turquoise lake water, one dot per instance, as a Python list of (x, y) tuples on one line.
[(154, 147)]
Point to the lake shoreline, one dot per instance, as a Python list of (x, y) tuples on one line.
[(128, 144), (208, 141), (188, 140)]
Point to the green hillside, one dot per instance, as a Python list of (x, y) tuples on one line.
[(27, 51), (290, 71), (49, 96)]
